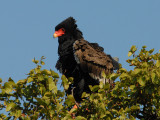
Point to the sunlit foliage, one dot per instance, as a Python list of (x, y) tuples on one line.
[(136, 93)]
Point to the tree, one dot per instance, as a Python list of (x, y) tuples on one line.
[(136, 93)]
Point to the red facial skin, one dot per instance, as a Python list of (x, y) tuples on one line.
[(59, 33)]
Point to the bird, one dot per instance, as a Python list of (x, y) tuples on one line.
[(84, 61)]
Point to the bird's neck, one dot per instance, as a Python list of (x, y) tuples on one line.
[(70, 37), (66, 43)]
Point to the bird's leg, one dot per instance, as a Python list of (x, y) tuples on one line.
[(77, 93), (74, 107)]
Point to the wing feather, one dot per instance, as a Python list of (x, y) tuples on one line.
[(91, 59)]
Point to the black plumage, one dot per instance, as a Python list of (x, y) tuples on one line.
[(78, 58)]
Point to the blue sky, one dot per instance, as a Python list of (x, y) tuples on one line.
[(26, 29)]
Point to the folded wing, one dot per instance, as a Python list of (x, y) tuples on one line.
[(92, 59)]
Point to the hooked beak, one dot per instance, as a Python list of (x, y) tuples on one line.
[(59, 33), (55, 35)]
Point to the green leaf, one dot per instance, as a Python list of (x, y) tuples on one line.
[(132, 87), (42, 63), (0, 80), (8, 87), (145, 65), (141, 81), (59, 107), (55, 75), (66, 86), (21, 81), (70, 100), (71, 79), (38, 70), (67, 117), (30, 79), (125, 76), (127, 109), (113, 76), (42, 89), (40, 101), (65, 82), (3, 116), (42, 58), (48, 94), (18, 113), (83, 94), (123, 116), (135, 107), (102, 90), (40, 77), (106, 86), (144, 46), (11, 82), (45, 71), (35, 61), (122, 70), (129, 54), (95, 88), (80, 118), (137, 71), (158, 63), (154, 78), (10, 106), (151, 51), (52, 85), (133, 48)]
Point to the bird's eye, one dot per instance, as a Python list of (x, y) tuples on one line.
[(63, 29)]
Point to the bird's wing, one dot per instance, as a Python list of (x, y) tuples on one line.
[(97, 47), (91, 60)]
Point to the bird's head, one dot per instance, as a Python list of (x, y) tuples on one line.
[(67, 27)]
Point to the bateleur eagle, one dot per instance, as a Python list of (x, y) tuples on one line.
[(78, 58)]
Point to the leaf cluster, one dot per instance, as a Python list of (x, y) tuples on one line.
[(136, 93)]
